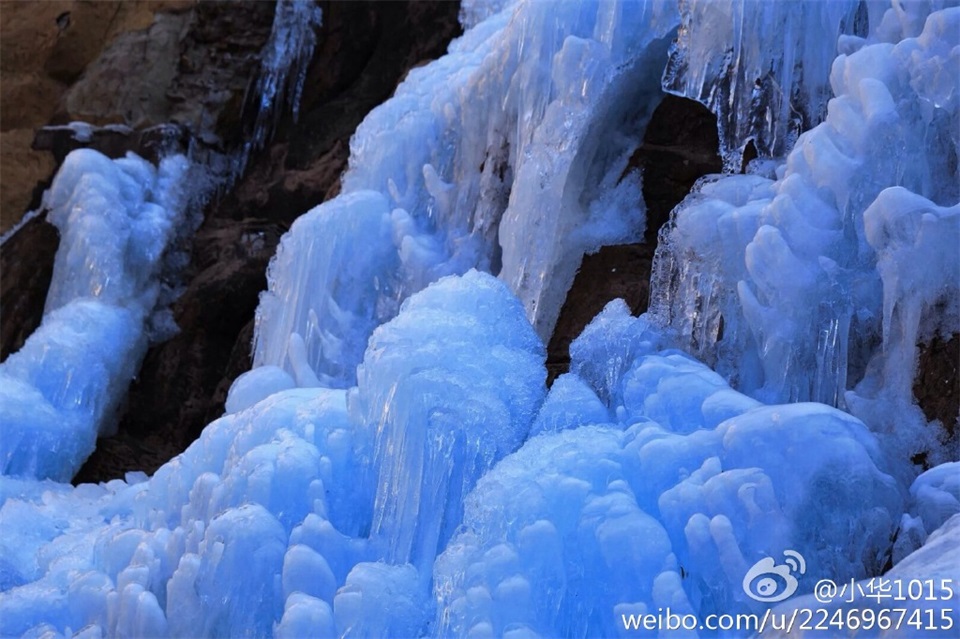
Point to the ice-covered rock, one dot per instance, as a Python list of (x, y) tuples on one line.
[(788, 286), (62, 389)]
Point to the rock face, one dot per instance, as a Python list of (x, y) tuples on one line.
[(44, 49), (29, 256), (364, 50)]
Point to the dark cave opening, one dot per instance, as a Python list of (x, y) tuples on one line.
[(680, 145)]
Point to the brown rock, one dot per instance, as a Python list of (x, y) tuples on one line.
[(46, 46), (937, 385), (22, 171), (128, 81), (26, 267)]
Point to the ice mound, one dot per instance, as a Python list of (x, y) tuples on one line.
[(312, 505), (565, 542), (669, 503), (788, 286), (329, 506), (585, 524), (116, 219), (448, 388)]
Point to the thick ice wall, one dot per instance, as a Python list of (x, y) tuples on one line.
[(282, 517), (529, 120), (762, 67), (796, 268), (116, 219), (583, 102)]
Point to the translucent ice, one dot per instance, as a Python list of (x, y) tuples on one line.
[(760, 66)]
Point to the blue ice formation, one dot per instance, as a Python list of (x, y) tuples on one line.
[(306, 506), (558, 85), (394, 466), (116, 218)]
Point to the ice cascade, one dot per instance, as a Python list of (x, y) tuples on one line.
[(62, 389)]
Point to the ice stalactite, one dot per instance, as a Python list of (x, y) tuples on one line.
[(761, 67), (283, 69), (274, 91)]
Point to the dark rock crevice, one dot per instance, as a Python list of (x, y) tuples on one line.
[(936, 386), (680, 146)]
